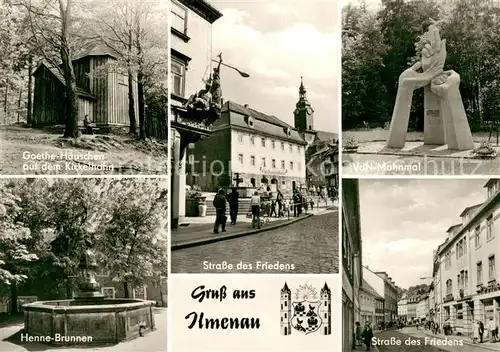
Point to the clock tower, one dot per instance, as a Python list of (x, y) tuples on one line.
[(304, 113)]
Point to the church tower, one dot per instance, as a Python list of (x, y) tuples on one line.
[(286, 310), (304, 113), (325, 310)]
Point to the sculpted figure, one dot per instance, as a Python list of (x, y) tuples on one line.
[(445, 121)]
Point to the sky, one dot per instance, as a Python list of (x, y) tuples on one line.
[(277, 42), (403, 221)]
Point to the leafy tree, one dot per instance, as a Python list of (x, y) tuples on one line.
[(133, 239), (15, 252)]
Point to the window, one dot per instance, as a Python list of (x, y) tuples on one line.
[(298, 149), (291, 165), (252, 140), (477, 236), (282, 164), (179, 16), (491, 265), (447, 261), (240, 137), (489, 228), (282, 146), (252, 160), (290, 146), (273, 143), (299, 166), (273, 163), (479, 269), (178, 70), (449, 285), (240, 158), (263, 142), (263, 162), (283, 183)]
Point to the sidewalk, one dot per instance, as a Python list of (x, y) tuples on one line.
[(199, 231), (492, 346)]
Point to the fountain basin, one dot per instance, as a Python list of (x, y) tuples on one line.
[(87, 321)]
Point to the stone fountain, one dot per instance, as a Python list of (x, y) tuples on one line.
[(89, 318)]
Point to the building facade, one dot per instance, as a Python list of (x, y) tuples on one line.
[(465, 278), (422, 308), (412, 309), (248, 148), (352, 274), (403, 309), (371, 304), (191, 66)]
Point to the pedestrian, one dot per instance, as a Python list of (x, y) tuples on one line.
[(475, 332), (294, 202), (255, 207), (481, 331), (233, 205), (279, 200), (312, 203), (273, 208), (491, 329), (367, 336), (357, 332), (220, 211)]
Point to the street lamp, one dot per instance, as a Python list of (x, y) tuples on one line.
[(242, 74)]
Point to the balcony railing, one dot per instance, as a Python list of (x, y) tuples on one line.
[(448, 298), (493, 286)]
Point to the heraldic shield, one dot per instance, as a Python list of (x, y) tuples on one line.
[(306, 318)]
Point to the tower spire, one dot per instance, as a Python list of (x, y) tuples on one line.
[(302, 89)]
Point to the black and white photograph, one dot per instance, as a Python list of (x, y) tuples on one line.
[(254, 123), (83, 264), (420, 91), (84, 87), (419, 264)]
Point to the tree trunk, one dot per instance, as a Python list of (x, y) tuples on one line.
[(68, 73), (126, 291), (19, 104), (13, 298), (131, 103), (5, 100), (30, 87), (142, 106)]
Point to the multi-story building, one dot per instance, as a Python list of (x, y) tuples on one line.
[(412, 308), (352, 274), (465, 277), (372, 304), (422, 308), (403, 309), (191, 63), (260, 149), (390, 297)]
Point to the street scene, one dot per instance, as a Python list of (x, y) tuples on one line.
[(439, 283), (419, 96), (84, 87), (255, 142), (78, 253)]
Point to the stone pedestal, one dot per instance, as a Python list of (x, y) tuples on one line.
[(433, 119), (458, 133), (178, 181)]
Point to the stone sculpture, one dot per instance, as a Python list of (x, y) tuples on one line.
[(445, 121)]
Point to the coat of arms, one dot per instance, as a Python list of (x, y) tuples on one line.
[(308, 311)]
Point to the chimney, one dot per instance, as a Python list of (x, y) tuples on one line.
[(246, 105)]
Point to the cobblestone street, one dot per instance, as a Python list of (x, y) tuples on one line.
[(410, 339), (310, 245)]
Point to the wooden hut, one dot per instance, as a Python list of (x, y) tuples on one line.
[(101, 88)]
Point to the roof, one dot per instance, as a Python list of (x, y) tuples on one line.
[(55, 71), (452, 227), (470, 209), (203, 9), (326, 136), (100, 49), (266, 124), (490, 182), (368, 288)]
